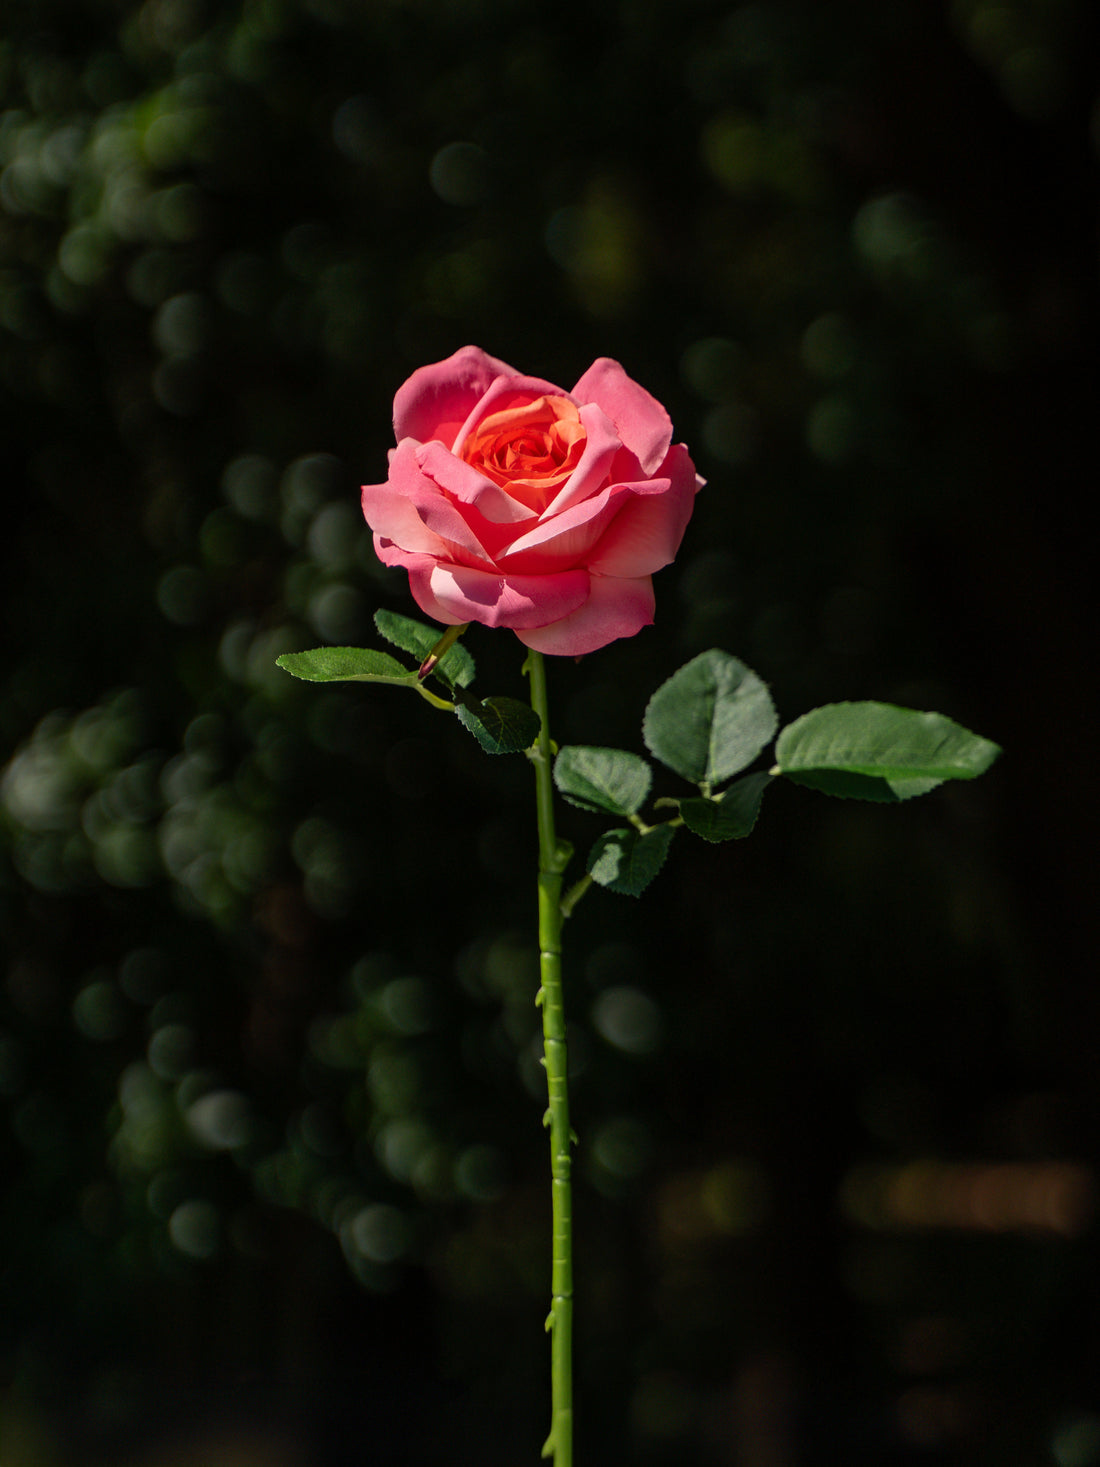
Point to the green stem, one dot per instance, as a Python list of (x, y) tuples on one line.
[(553, 858)]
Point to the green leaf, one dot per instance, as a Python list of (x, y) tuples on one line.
[(732, 815), (500, 725), (876, 751), (845, 786), (710, 720), (344, 664), (602, 779), (626, 861), (455, 667)]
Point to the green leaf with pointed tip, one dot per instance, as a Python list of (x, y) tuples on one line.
[(610, 780), (626, 861), (455, 667), (730, 816), (344, 664), (500, 725), (876, 751), (710, 719)]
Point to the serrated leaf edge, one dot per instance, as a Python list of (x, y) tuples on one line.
[(843, 762), (638, 836), (592, 806)]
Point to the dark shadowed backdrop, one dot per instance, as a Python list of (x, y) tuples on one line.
[(274, 1175)]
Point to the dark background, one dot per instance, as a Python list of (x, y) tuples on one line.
[(275, 1180)]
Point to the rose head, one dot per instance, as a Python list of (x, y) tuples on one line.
[(513, 503)]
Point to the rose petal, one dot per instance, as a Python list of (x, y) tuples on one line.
[(531, 449), (592, 472), (391, 513), (640, 420), (390, 553), (436, 400), (647, 531), (455, 593), (420, 568), (506, 391), (615, 608), (566, 539), (463, 482), (461, 534)]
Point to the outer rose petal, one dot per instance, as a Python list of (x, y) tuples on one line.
[(462, 594), (410, 510), (640, 420), (420, 568), (391, 554), (436, 400), (615, 608), (393, 517), (457, 532), (647, 531)]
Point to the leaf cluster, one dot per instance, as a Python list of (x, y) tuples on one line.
[(500, 725), (709, 722)]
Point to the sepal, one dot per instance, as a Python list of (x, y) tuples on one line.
[(456, 666)]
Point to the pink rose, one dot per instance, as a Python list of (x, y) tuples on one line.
[(515, 504)]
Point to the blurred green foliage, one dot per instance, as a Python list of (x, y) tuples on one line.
[(267, 1021)]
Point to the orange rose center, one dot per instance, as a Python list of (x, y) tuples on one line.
[(529, 449)]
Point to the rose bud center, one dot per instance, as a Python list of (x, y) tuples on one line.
[(530, 448)]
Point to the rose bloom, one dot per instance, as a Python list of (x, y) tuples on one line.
[(515, 504)]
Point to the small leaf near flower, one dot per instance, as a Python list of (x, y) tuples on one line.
[(500, 725), (626, 861), (710, 719), (343, 664), (610, 780)]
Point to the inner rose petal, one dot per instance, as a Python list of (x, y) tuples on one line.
[(530, 448)]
